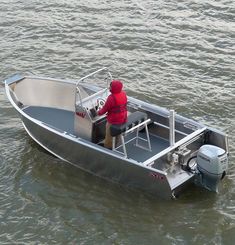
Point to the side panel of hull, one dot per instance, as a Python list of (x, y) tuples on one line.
[(99, 161)]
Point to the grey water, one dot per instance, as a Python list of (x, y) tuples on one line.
[(177, 54)]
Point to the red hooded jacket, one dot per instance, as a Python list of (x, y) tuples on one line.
[(115, 105)]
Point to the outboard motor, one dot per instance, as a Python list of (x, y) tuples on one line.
[(212, 164)]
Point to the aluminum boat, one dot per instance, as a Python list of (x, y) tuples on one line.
[(160, 152)]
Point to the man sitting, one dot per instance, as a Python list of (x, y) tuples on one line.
[(115, 107)]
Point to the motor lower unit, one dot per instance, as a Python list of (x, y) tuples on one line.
[(212, 164)]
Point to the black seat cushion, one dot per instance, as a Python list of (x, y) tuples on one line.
[(132, 120)]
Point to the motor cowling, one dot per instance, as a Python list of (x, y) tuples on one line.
[(212, 164)]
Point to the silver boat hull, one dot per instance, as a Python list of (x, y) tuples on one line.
[(57, 115)]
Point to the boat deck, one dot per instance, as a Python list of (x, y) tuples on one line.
[(64, 120), (57, 118)]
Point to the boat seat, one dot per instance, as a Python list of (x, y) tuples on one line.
[(135, 122), (132, 120)]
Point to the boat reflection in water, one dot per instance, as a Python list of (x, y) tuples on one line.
[(160, 151)]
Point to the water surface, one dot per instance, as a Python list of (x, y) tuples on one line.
[(177, 54)]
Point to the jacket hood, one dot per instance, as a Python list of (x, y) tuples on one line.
[(116, 87)]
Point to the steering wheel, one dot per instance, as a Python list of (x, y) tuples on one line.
[(100, 103)]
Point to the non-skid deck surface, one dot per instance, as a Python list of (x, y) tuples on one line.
[(57, 118), (64, 120), (139, 154)]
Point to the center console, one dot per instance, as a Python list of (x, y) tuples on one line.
[(87, 124)]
